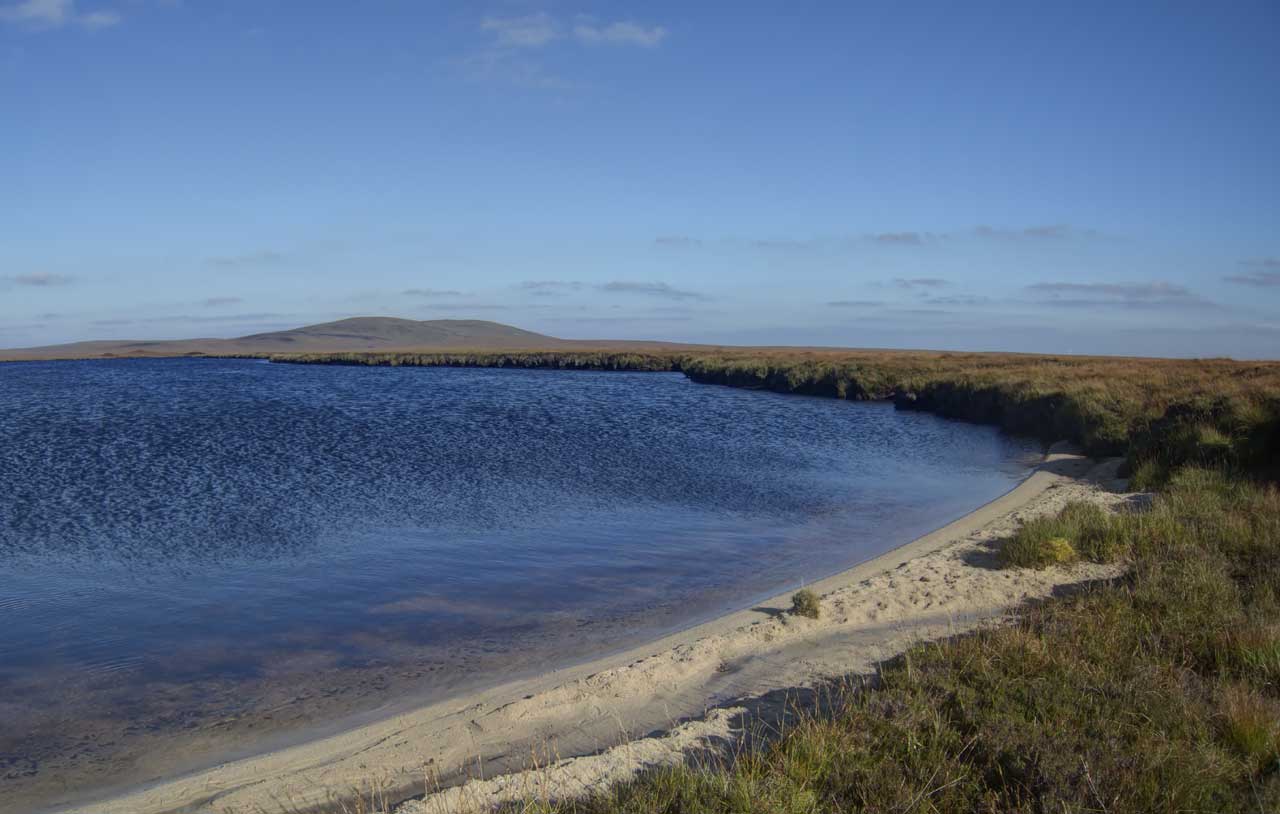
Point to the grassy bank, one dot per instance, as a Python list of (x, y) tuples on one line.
[(1157, 694), (1159, 412), (532, 360)]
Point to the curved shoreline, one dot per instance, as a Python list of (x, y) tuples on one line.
[(588, 708)]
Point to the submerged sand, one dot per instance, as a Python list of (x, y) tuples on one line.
[(601, 722)]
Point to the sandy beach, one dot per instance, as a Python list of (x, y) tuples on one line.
[(601, 721)]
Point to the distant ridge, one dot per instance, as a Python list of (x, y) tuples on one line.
[(354, 334), (379, 333)]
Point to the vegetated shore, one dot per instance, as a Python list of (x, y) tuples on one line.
[(743, 665), (1158, 690), (1106, 405)]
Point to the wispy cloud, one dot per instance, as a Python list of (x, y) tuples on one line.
[(647, 289), (1129, 295), (616, 319), (528, 31), (677, 242), (1257, 279), (1054, 231), (651, 290), (784, 244), (1263, 263), (619, 33), (458, 306), (899, 238), (931, 312), (856, 303), (514, 41), (1264, 273), (540, 29), (554, 286), (261, 257), (204, 319), (916, 283), (431, 292), (39, 279), (57, 14), (958, 300), (216, 302)]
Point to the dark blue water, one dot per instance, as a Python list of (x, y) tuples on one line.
[(197, 548)]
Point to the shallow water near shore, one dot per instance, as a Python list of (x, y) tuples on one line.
[(200, 559)]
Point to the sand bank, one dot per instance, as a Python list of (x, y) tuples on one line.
[(662, 698)]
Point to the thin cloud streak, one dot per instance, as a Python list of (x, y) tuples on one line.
[(1127, 295), (430, 292), (540, 29), (39, 280), (1265, 274), (1126, 291), (458, 306), (958, 300), (651, 290), (262, 257), (647, 289), (1257, 279), (49, 14), (899, 238), (913, 283), (528, 31), (191, 318), (677, 242), (1044, 232), (551, 285), (620, 33)]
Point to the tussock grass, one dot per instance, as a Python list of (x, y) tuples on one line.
[(1251, 726), (805, 602), (1080, 530)]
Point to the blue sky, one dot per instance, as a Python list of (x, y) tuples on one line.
[(1076, 177)]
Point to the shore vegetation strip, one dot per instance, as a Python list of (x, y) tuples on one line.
[(1157, 692)]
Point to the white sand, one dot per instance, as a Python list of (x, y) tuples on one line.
[(943, 583)]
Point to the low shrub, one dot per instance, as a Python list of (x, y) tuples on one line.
[(804, 602)]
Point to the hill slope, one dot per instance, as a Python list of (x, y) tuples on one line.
[(355, 334), (371, 333)]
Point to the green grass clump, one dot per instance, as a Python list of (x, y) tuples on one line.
[(1080, 530), (805, 602), (1251, 725)]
